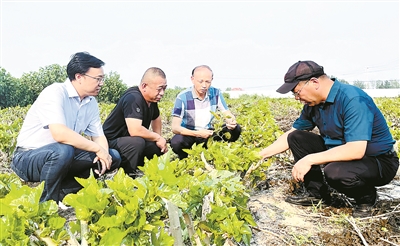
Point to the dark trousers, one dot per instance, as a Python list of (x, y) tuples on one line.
[(181, 142), (57, 165), (133, 150), (356, 179)]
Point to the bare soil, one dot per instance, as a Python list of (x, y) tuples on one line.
[(281, 223)]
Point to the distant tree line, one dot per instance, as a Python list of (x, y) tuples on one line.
[(374, 84), (24, 91), (378, 84)]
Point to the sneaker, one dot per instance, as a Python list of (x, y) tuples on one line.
[(305, 199), (363, 210)]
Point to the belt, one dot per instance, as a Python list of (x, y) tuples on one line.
[(390, 152)]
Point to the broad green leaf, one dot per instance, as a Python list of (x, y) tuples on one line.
[(56, 222), (148, 227), (161, 238), (113, 236)]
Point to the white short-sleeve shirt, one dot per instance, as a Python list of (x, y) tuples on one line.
[(59, 103)]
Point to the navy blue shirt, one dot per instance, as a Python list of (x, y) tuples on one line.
[(348, 115)]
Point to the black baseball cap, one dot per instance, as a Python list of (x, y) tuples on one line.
[(301, 70)]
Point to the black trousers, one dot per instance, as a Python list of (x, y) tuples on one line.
[(133, 150), (181, 142), (356, 179)]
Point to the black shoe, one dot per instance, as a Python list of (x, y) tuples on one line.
[(365, 205), (363, 210), (305, 199)]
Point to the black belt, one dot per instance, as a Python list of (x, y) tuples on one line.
[(390, 152)]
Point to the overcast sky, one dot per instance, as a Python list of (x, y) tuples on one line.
[(248, 44)]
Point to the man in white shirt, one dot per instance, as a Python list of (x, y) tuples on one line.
[(51, 145)]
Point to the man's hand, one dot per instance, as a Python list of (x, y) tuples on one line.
[(230, 123), (162, 144), (204, 133), (263, 154), (105, 159), (300, 169)]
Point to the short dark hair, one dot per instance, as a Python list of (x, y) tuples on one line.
[(151, 73), (81, 62)]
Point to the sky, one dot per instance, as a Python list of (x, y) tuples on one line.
[(248, 44)]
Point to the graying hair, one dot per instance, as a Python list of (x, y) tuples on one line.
[(202, 66)]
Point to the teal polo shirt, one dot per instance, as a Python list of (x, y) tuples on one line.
[(348, 115)]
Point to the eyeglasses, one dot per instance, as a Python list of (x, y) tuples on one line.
[(296, 94), (99, 79)]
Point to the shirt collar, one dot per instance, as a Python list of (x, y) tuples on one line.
[(333, 92), (195, 96), (72, 93)]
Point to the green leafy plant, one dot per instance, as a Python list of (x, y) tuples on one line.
[(119, 211), (209, 190), (112, 89), (24, 218)]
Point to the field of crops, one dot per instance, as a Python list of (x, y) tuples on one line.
[(200, 200)]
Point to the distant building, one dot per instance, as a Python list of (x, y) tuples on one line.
[(237, 89)]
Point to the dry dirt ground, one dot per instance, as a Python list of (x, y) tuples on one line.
[(281, 223)]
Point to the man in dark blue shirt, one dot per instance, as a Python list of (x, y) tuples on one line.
[(354, 152)]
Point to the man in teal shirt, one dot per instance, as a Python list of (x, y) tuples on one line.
[(354, 147)]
